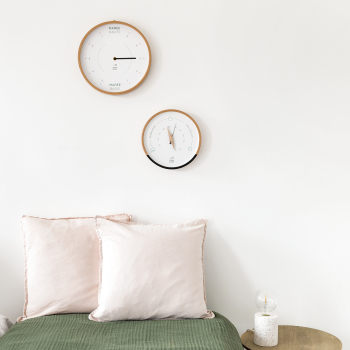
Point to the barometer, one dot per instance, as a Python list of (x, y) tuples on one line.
[(171, 139)]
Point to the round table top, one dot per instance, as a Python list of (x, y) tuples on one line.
[(296, 338)]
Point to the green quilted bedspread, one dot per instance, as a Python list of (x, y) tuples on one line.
[(76, 332)]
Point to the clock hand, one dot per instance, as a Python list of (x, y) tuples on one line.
[(171, 138), (174, 129), (124, 58)]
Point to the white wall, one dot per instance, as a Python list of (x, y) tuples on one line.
[(268, 82)]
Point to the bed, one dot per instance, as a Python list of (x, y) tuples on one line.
[(75, 331)]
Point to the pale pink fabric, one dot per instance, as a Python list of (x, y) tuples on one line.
[(150, 271), (61, 265)]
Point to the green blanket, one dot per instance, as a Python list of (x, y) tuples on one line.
[(76, 332)]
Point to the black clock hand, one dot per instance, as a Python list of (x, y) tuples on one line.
[(174, 129), (124, 58)]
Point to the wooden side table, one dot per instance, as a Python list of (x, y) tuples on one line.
[(296, 338)]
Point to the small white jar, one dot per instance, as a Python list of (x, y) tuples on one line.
[(265, 329)]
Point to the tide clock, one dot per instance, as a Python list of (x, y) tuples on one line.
[(171, 139), (114, 57)]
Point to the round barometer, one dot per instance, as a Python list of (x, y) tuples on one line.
[(114, 57), (171, 139)]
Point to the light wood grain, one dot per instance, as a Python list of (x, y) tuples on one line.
[(296, 338)]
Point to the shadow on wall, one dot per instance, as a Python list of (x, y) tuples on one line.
[(11, 297), (230, 289), (227, 286)]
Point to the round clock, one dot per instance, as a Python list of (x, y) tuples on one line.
[(114, 57), (171, 139)]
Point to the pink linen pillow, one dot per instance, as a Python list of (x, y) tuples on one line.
[(61, 265), (150, 271)]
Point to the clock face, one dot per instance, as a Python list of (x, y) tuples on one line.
[(114, 57), (171, 139)]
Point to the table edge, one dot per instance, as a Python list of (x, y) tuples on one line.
[(286, 325)]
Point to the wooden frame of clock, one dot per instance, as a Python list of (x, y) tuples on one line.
[(170, 135), (116, 92)]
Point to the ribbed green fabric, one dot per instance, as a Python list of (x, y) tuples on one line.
[(77, 332)]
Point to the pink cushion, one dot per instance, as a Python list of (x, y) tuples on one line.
[(61, 265), (150, 271)]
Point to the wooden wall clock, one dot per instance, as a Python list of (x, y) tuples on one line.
[(114, 57), (171, 139)]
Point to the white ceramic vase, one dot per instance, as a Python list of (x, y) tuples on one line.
[(265, 329)]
